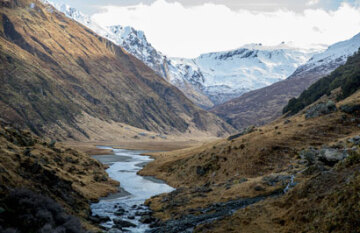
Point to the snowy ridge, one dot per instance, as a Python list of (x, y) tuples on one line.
[(336, 55), (81, 18), (225, 75), (136, 44), (211, 78)]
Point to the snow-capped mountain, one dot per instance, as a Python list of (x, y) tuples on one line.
[(135, 42), (209, 79), (324, 63), (80, 18), (226, 75), (264, 105)]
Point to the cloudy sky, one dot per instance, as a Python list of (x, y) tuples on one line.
[(187, 28)]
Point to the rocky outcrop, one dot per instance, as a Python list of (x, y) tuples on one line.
[(320, 109), (328, 156)]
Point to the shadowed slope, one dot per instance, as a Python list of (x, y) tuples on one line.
[(54, 71)]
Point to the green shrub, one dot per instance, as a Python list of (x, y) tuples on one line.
[(346, 76)]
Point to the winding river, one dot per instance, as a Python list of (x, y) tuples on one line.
[(128, 204)]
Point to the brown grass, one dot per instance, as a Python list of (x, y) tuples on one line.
[(271, 149)]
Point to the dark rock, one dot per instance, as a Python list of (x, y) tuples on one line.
[(202, 189), (350, 109), (287, 121), (131, 217), (328, 156), (119, 223), (314, 169), (138, 213), (27, 152), (99, 219), (320, 109), (355, 140), (119, 212), (200, 170), (259, 188), (275, 179), (187, 222), (98, 178), (309, 155), (146, 219)]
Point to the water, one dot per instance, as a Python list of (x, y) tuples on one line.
[(124, 166), (290, 184)]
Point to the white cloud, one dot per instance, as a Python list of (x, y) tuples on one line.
[(312, 2), (182, 31)]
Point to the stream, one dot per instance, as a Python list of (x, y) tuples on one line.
[(125, 210), (127, 206)]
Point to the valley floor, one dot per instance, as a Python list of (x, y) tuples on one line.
[(301, 172), (170, 144)]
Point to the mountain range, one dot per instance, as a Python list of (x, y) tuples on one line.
[(265, 105), (211, 78), (64, 81)]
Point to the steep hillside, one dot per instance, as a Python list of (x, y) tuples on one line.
[(346, 77), (212, 78), (298, 174), (52, 173), (59, 77), (264, 105)]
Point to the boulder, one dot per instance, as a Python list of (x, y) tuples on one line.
[(309, 155), (146, 219), (320, 109), (99, 219), (119, 223), (331, 156), (328, 156), (120, 212), (355, 140)]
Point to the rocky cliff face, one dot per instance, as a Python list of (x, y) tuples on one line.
[(55, 71)]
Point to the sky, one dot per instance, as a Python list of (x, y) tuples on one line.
[(188, 28)]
